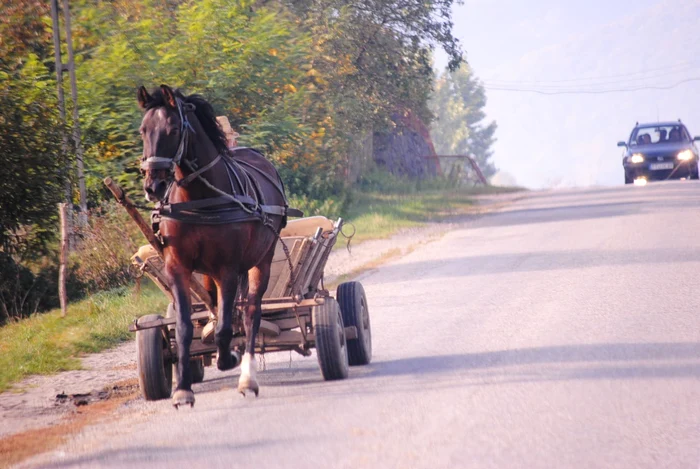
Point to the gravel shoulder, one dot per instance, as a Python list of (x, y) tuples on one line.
[(33, 403)]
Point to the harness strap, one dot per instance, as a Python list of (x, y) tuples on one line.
[(210, 203), (263, 174), (192, 176), (157, 162)]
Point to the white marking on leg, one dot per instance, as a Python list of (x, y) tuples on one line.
[(248, 368)]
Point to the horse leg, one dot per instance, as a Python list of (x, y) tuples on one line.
[(209, 329), (224, 326), (258, 278), (210, 287), (180, 287)]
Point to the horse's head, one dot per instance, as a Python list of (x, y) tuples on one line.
[(164, 131)]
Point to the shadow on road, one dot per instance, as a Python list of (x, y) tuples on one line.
[(526, 216), (599, 361), (556, 363), (533, 262), (159, 454)]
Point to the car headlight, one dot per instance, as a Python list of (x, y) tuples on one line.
[(685, 155), (637, 158)]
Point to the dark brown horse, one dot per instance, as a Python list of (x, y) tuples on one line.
[(219, 216)]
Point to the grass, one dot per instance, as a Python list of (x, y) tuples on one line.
[(46, 343), (378, 215)]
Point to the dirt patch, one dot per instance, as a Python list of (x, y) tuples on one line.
[(129, 367), (32, 403), (90, 408)]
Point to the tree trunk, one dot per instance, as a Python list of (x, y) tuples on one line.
[(63, 268)]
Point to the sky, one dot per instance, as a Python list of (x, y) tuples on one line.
[(569, 140)]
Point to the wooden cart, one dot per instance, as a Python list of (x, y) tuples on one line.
[(298, 314)]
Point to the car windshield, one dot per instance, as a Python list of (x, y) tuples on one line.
[(658, 134)]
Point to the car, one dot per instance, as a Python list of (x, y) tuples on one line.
[(660, 151)]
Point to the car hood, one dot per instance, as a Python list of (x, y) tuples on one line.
[(659, 149)]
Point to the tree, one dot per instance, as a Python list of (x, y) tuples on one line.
[(30, 158), (249, 63), (459, 128)]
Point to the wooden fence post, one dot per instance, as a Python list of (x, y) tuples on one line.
[(62, 295)]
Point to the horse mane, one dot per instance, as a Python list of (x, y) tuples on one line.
[(204, 112)]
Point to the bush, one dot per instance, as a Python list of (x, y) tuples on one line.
[(331, 207), (383, 181), (21, 291), (103, 258)]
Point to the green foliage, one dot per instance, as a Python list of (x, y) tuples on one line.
[(20, 290), (331, 207), (30, 158), (23, 32), (458, 103), (383, 181), (245, 62)]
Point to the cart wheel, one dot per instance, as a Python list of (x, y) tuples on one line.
[(331, 347), (196, 367), (155, 372), (196, 364), (353, 304)]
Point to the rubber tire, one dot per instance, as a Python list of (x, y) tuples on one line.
[(628, 179), (695, 173), (353, 304), (155, 376), (331, 346), (196, 364), (196, 368)]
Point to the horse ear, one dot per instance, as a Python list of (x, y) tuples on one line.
[(168, 95), (143, 97)]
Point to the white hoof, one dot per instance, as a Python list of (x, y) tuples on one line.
[(248, 381)]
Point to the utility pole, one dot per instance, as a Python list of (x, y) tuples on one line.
[(82, 216), (62, 111)]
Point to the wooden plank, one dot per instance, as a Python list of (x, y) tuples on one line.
[(300, 279), (164, 322), (314, 265), (202, 315), (267, 308), (301, 266), (297, 263), (318, 273), (269, 328), (277, 289), (281, 269), (297, 254), (279, 261)]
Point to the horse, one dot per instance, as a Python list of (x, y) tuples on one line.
[(219, 213)]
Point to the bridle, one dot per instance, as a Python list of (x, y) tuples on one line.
[(155, 162)]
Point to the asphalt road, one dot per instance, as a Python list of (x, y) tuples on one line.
[(561, 332)]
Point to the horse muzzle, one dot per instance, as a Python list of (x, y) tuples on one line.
[(155, 191)]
